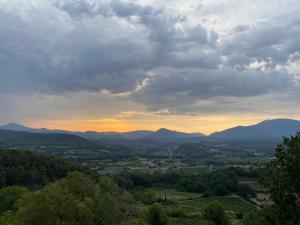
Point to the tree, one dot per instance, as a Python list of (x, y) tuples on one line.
[(280, 178), (8, 218), (75, 200), (156, 216), (254, 218), (246, 191), (110, 206), (64, 202), (215, 212), (9, 197)]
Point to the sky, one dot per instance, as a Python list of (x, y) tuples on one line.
[(120, 65)]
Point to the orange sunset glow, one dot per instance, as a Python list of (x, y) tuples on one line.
[(205, 125)]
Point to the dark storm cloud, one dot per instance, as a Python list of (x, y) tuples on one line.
[(47, 55), (161, 58), (96, 51)]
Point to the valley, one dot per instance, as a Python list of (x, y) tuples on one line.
[(182, 173)]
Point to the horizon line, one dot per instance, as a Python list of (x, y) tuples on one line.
[(136, 130)]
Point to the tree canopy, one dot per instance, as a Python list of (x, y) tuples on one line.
[(281, 180), (75, 200), (25, 168)]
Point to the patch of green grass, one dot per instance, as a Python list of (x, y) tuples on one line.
[(230, 203), (193, 202)]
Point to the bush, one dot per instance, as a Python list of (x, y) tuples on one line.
[(215, 212), (176, 213), (220, 190), (207, 194), (246, 191), (239, 215), (8, 218), (141, 195), (156, 216), (9, 197)]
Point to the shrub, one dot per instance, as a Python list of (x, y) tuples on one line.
[(215, 212), (157, 216)]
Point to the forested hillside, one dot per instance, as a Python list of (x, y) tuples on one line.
[(20, 138), (29, 169)]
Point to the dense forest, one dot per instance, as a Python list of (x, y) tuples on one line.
[(29, 169), (40, 190)]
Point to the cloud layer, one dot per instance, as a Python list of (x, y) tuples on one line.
[(177, 58)]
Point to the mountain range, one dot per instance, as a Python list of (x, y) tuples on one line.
[(275, 129), (159, 135)]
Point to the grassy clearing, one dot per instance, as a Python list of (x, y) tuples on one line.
[(193, 202), (232, 203), (186, 208)]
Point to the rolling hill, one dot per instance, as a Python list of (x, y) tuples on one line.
[(170, 135), (9, 138)]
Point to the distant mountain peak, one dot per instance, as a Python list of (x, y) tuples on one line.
[(164, 134), (164, 130)]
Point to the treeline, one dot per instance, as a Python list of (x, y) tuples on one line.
[(214, 183), (29, 169)]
